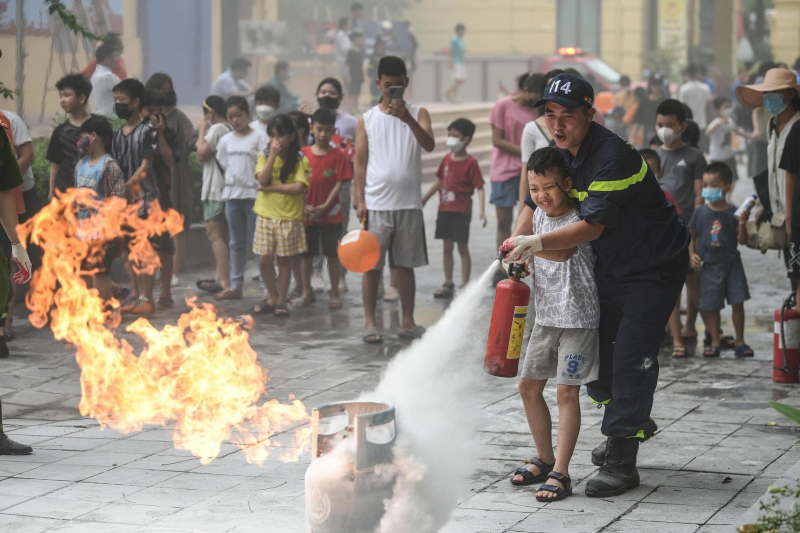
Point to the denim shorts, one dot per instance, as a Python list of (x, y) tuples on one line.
[(505, 193), (720, 282)]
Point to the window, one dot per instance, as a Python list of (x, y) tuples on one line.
[(579, 24)]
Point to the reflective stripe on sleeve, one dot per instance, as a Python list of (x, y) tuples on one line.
[(619, 185)]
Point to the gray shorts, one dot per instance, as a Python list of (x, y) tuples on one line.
[(720, 282), (402, 234), (570, 355)]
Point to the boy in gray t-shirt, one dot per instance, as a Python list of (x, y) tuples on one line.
[(564, 343)]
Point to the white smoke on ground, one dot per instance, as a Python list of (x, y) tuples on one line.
[(431, 384)]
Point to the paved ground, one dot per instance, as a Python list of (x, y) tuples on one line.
[(719, 447)]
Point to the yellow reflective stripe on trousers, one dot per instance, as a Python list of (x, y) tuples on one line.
[(639, 435), (604, 402), (619, 185)]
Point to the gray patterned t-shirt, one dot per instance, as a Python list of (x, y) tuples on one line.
[(565, 293)]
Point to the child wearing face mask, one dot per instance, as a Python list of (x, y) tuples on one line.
[(268, 100), (682, 168), (715, 234), (99, 172), (459, 175), (720, 133)]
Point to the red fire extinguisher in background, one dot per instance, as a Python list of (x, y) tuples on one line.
[(786, 352), (508, 323)]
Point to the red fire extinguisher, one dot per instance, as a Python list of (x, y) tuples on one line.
[(508, 324), (786, 352)]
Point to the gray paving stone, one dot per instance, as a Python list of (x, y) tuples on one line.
[(638, 526), (134, 446), (7, 501), (689, 496), (39, 455), (95, 492), (578, 521), (194, 481), (77, 526), (482, 520), (656, 512), (12, 468), (132, 476), (74, 444), (700, 480), (95, 458), (169, 497), (50, 507), (26, 524), (63, 472), (128, 513), (734, 509), (723, 461)]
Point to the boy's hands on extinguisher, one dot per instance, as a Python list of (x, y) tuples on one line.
[(521, 248)]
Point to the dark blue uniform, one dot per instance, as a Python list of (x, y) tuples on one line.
[(642, 260)]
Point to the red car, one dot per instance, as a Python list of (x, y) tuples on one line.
[(599, 73)]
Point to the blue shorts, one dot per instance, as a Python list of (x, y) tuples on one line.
[(723, 281), (505, 193)]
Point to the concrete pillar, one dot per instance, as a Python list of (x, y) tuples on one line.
[(785, 35), (130, 38), (623, 34), (725, 36)]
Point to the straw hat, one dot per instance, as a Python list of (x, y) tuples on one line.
[(776, 79)]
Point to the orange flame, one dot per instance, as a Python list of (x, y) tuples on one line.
[(200, 374)]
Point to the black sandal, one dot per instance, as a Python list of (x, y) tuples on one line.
[(560, 493), (445, 291), (282, 310), (263, 308), (528, 477), (210, 285)]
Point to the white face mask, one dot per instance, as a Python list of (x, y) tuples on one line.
[(454, 144), (728, 113), (667, 135), (264, 112)]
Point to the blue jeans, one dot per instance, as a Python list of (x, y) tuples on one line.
[(242, 226)]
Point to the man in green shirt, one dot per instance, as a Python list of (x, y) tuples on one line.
[(10, 177)]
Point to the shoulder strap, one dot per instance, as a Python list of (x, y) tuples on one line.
[(544, 129)]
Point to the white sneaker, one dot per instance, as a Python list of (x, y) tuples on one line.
[(175, 281)]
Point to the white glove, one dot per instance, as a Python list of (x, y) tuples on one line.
[(524, 246), (20, 256)]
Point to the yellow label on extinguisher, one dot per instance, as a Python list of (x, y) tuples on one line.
[(517, 332)]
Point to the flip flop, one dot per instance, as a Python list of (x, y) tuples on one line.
[(165, 302), (711, 352), (10, 335), (416, 333), (210, 285), (282, 311), (377, 338), (228, 294), (335, 303), (679, 352)]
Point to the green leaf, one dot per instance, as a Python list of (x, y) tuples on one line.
[(792, 413), (69, 20)]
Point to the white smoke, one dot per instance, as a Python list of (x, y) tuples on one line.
[(431, 384)]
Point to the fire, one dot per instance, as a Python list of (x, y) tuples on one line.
[(200, 374)]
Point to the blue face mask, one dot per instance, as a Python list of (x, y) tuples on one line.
[(774, 103), (712, 195)]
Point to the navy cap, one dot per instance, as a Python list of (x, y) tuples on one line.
[(568, 90)]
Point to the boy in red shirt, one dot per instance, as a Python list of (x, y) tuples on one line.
[(330, 166), (458, 176)]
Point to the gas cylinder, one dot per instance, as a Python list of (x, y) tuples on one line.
[(508, 324), (786, 352), (350, 474)]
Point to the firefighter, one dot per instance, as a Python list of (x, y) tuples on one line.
[(642, 261), (10, 177)]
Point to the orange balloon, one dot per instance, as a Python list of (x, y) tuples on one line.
[(605, 101), (359, 251)]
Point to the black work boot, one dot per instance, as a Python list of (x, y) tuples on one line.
[(618, 473), (8, 446), (599, 453)]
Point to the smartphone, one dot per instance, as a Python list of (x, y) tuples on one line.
[(396, 94)]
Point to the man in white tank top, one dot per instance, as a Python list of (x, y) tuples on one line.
[(388, 191)]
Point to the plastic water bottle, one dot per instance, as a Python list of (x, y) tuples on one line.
[(749, 202)]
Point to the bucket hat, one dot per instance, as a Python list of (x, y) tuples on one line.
[(776, 79)]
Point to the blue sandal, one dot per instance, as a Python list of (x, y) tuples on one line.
[(744, 351), (528, 477), (560, 493)]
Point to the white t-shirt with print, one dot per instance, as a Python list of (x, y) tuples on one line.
[(565, 293), (238, 155), (721, 139), (213, 180)]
